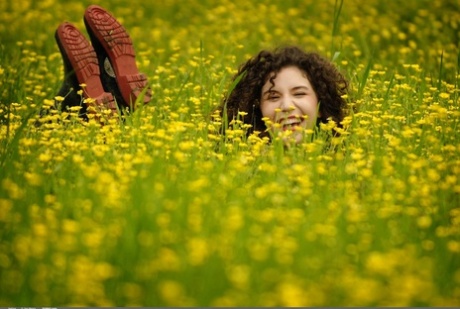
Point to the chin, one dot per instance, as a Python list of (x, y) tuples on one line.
[(294, 139), (298, 137)]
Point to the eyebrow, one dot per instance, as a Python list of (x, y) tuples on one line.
[(300, 87)]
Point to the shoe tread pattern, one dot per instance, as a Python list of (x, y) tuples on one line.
[(80, 53), (113, 32)]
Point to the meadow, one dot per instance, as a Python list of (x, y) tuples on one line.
[(161, 210)]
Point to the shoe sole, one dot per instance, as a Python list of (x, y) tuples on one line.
[(118, 46), (79, 56)]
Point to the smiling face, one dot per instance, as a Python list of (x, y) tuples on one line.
[(289, 102)]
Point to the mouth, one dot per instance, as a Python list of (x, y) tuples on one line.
[(290, 123)]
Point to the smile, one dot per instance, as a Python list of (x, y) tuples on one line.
[(290, 123)]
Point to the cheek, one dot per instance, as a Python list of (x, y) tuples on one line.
[(310, 107), (267, 111)]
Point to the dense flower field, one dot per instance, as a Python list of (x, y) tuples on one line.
[(161, 210)]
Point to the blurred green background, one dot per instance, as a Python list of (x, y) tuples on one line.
[(150, 212)]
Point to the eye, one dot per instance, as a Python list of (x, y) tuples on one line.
[(273, 96), (300, 94)]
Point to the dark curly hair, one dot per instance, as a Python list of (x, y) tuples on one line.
[(329, 84)]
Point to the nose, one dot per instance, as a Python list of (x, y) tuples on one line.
[(286, 104)]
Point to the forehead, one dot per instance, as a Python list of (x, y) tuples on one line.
[(287, 76)]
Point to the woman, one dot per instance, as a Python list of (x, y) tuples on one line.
[(286, 89)]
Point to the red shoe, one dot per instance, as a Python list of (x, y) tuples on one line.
[(81, 66), (120, 73)]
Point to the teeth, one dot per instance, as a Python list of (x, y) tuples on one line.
[(290, 122), (290, 126)]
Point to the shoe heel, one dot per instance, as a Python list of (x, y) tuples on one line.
[(132, 86), (104, 101)]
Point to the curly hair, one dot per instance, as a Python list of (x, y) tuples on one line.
[(329, 84)]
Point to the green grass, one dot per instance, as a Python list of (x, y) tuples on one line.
[(161, 210)]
